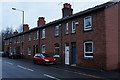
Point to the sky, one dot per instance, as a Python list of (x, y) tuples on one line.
[(50, 9)]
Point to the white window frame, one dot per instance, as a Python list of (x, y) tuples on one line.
[(43, 50), (29, 50), (73, 27), (85, 49), (57, 30), (43, 33), (66, 28), (87, 28)]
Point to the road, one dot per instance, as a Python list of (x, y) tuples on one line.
[(15, 69)]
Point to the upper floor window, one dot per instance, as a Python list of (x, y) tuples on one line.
[(23, 38), (43, 33), (88, 49), (56, 30), (36, 34), (66, 28), (43, 48), (88, 23), (29, 37), (73, 27)]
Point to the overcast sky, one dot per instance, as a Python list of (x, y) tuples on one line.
[(51, 10)]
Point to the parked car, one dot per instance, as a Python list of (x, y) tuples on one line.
[(3, 54), (43, 58), (12, 55)]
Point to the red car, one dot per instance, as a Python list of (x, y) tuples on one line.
[(42, 58)]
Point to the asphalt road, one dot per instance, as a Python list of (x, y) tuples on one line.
[(15, 69)]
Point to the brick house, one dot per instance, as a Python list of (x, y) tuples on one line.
[(86, 39)]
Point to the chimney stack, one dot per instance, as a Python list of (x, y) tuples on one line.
[(67, 10), (41, 21), (25, 27), (16, 32)]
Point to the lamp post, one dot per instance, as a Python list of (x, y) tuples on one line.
[(22, 17)]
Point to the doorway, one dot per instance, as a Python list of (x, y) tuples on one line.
[(67, 54)]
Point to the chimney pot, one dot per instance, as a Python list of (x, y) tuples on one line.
[(25, 27), (41, 21)]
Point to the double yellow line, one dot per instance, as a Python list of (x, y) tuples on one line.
[(88, 75)]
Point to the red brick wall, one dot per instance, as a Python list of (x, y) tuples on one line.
[(111, 21)]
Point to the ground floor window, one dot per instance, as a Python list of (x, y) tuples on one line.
[(88, 49), (43, 48), (56, 50), (29, 50)]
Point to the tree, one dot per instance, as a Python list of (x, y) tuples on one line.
[(8, 32)]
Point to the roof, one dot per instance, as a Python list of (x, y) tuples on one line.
[(102, 6)]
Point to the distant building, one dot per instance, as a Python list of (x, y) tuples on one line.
[(86, 39)]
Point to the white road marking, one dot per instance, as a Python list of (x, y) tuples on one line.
[(21, 67), (24, 68), (51, 77), (9, 63), (30, 69)]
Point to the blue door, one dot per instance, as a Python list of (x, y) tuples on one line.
[(73, 53)]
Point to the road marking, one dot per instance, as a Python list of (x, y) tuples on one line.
[(30, 69), (9, 63), (51, 77), (21, 67), (25, 68), (93, 76)]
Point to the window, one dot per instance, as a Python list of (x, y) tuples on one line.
[(73, 27), (29, 50), (88, 49), (43, 33), (36, 34), (43, 48), (56, 30), (23, 38), (29, 37), (56, 52), (87, 23), (66, 28), (22, 50)]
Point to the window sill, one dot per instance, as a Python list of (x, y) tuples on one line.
[(73, 33), (56, 56), (87, 30), (42, 38), (56, 35), (90, 57), (29, 54)]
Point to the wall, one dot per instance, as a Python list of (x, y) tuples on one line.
[(111, 20)]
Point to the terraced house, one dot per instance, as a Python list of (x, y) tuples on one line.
[(86, 39)]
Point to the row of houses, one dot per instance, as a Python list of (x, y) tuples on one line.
[(86, 39)]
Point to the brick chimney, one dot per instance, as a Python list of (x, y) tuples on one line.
[(25, 27), (67, 10), (16, 32), (41, 21)]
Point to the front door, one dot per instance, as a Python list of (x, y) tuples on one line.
[(67, 53), (73, 53)]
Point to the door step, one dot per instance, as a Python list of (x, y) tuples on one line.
[(73, 64)]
